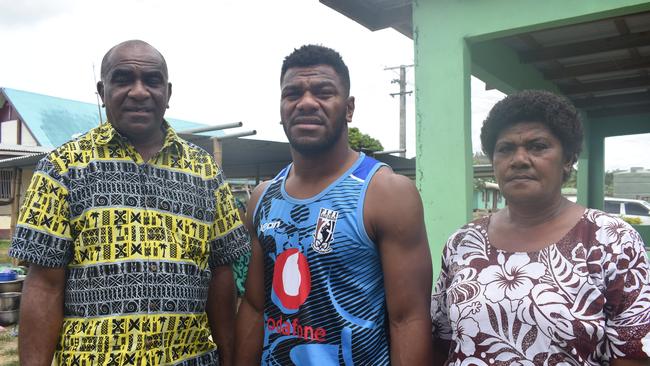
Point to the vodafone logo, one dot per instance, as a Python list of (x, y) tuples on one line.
[(291, 280)]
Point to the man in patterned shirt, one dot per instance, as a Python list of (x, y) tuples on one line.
[(130, 232)]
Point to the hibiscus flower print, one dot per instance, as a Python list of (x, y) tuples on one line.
[(580, 301), (611, 230), (466, 329), (512, 278)]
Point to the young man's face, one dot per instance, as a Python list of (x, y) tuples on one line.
[(314, 107), (135, 91)]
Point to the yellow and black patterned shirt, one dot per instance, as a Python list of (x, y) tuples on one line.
[(138, 241)]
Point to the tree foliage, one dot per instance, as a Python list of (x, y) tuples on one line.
[(361, 141), (480, 159), (572, 182), (609, 181)]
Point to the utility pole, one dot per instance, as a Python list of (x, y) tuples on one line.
[(402, 105)]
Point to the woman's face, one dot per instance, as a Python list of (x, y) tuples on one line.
[(529, 163)]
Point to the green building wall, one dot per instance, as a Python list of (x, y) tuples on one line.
[(454, 38)]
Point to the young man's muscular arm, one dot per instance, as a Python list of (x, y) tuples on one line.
[(249, 333), (394, 219)]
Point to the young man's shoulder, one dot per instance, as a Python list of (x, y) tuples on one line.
[(386, 181), (256, 195), (390, 198)]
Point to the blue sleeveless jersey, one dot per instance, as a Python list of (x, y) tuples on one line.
[(325, 302)]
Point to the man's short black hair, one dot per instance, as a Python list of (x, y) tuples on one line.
[(553, 111), (311, 55), (132, 42)]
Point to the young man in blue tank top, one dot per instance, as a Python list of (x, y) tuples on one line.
[(340, 272)]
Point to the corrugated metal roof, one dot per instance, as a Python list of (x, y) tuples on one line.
[(23, 148), (21, 161), (53, 121)]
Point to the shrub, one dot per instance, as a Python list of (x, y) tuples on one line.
[(631, 220)]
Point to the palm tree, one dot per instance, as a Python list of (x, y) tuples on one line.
[(163, 246), (94, 215)]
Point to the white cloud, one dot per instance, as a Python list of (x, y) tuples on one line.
[(224, 57), (26, 13), (624, 152), (482, 101)]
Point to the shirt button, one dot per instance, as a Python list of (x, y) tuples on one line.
[(153, 267)]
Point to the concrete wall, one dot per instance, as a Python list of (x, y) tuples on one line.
[(633, 184), (9, 134)]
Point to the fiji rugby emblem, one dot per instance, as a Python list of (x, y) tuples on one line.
[(325, 231)]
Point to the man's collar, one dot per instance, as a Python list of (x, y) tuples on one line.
[(107, 133), (104, 134), (171, 139)]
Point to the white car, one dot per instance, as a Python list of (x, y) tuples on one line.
[(629, 208), (625, 207)]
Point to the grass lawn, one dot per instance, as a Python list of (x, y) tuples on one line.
[(8, 342)]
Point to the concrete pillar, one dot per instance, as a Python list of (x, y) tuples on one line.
[(583, 166), (443, 132), (596, 174)]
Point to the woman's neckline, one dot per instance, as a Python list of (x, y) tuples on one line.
[(546, 246)]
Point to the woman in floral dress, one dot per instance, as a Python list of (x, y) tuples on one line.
[(543, 281)]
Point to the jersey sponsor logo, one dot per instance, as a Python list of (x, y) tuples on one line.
[(291, 280), (293, 327), (325, 231)]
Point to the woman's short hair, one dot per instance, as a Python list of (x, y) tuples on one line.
[(554, 111)]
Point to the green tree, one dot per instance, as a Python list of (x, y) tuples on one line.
[(572, 182), (480, 159), (609, 181), (362, 141), (479, 183)]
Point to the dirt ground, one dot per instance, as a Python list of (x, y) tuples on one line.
[(8, 347)]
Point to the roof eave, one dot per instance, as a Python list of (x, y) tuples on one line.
[(375, 18)]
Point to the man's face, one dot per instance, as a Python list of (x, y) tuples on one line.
[(135, 91), (314, 108)]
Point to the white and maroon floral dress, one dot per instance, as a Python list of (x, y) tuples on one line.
[(581, 301)]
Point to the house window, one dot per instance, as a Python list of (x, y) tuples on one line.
[(6, 176)]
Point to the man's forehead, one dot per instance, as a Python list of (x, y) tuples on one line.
[(130, 64), (135, 55), (316, 73)]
